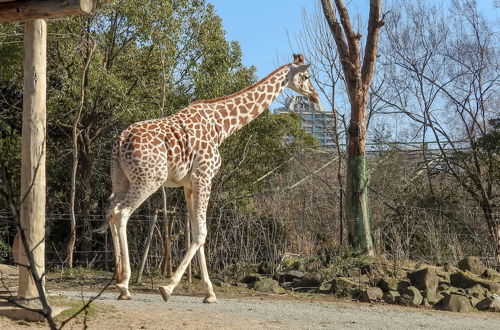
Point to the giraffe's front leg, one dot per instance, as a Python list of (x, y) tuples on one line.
[(207, 284), (201, 193)]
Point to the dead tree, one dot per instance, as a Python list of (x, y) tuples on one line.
[(358, 73)]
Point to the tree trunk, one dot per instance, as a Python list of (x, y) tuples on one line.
[(357, 209), (74, 168), (146, 247), (358, 77), (493, 228)]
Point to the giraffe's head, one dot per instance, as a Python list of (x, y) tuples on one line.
[(298, 78)]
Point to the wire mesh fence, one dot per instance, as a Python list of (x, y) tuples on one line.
[(433, 235)]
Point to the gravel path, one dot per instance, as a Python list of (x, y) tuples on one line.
[(148, 311)]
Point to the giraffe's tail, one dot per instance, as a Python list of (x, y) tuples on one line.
[(104, 227)]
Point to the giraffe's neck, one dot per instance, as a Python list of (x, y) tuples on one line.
[(235, 111)]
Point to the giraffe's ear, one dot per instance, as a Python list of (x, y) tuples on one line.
[(302, 67)]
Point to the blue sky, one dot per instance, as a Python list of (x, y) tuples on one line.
[(262, 27)]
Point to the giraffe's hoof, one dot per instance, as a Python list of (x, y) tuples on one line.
[(165, 293), (210, 300), (124, 297)]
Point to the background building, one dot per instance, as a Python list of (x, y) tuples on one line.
[(314, 119)]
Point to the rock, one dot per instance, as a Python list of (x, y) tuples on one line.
[(467, 280), (268, 285), (424, 279), (472, 264), (308, 282), (388, 284), (325, 288), (491, 304), (290, 274), (7, 271), (432, 297), (456, 303), (265, 268), (251, 278), (403, 285), (474, 301), (491, 274), (220, 283), (443, 286), (371, 294), (410, 296), (443, 276), (391, 297), (344, 287), (477, 291), (241, 285)]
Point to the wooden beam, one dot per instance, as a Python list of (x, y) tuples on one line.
[(33, 155), (26, 10)]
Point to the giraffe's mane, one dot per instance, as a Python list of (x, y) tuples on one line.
[(246, 89)]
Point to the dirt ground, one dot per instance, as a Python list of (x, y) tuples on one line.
[(149, 311), (237, 308)]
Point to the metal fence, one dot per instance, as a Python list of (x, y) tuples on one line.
[(434, 235)]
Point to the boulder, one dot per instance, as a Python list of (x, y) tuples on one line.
[(290, 274), (456, 303), (308, 282), (443, 286), (265, 268), (371, 294), (7, 271), (432, 297), (491, 304), (491, 274), (388, 284), (410, 296), (477, 291), (403, 285), (391, 297), (424, 279), (251, 278), (472, 264), (344, 287), (268, 285), (467, 280)]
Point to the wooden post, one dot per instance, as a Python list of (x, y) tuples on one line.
[(146, 248), (23, 10), (34, 131)]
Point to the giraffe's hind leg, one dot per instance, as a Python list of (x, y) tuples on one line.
[(121, 212)]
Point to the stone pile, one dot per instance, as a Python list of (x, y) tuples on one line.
[(470, 286)]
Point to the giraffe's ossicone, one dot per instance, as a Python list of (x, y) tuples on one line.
[(182, 150)]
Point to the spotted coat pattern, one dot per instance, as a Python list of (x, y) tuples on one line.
[(182, 150)]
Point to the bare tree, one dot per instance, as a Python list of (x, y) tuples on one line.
[(447, 75), (358, 73)]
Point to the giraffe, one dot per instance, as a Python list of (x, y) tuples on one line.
[(182, 151)]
